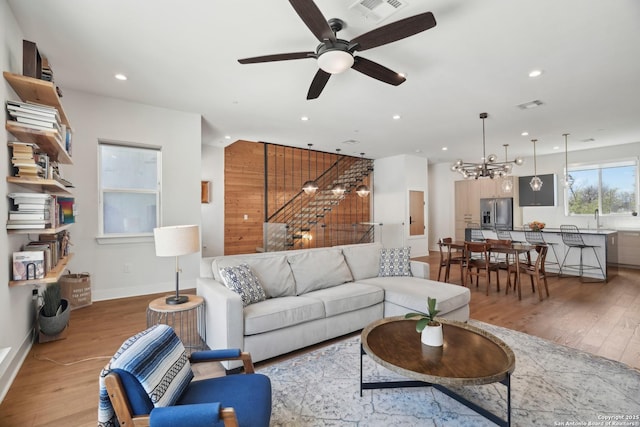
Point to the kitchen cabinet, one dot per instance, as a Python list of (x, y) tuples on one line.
[(629, 248)]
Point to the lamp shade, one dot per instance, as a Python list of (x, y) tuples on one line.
[(177, 240)]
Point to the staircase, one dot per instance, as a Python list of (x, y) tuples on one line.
[(306, 221)]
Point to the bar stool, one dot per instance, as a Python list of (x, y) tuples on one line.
[(476, 232), (536, 238), (572, 238)]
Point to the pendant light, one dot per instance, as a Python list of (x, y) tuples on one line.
[(338, 189), (568, 179), (536, 182), (507, 183), (310, 187), (362, 190)]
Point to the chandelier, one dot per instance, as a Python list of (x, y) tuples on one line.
[(489, 166)]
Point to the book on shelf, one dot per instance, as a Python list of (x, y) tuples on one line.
[(49, 262), (34, 196), (67, 210), (31, 215), (33, 109), (35, 127), (28, 265), (40, 226), (43, 123)]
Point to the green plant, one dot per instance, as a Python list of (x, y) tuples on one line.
[(428, 318), (51, 300)]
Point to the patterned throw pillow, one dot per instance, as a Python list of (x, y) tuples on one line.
[(394, 262), (240, 279)]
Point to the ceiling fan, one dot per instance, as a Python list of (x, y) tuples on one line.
[(335, 55)]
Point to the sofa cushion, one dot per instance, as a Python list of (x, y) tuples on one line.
[(241, 280), (412, 293), (348, 297), (273, 271), (319, 269), (363, 260), (395, 262), (281, 312)]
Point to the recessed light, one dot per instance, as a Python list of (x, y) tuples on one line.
[(227, 137), (445, 148), (396, 117), (120, 76), (418, 150), (304, 118), (403, 75), (556, 148), (535, 73), (525, 133)]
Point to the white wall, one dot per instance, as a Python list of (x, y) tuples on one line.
[(213, 213), (16, 306), (394, 177), (441, 203), (96, 118)]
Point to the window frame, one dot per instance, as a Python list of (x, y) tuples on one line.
[(600, 165), (117, 238)]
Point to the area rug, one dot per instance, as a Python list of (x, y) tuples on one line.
[(552, 385)]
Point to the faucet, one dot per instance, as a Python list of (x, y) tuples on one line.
[(597, 217)]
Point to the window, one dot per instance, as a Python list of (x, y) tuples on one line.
[(129, 189), (610, 187)]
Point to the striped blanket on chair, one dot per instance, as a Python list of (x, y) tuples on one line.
[(157, 358)]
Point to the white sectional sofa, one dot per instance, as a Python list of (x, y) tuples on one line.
[(313, 295)]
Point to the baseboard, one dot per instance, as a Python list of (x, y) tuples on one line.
[(13, 363)]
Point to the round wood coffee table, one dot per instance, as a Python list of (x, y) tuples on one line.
[(469, 356)]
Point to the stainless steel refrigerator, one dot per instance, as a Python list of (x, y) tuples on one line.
[(496, 213)]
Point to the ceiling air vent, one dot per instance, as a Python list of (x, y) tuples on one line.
[(530, 105), (377, 10)]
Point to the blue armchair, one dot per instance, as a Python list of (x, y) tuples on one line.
[(149, 382)]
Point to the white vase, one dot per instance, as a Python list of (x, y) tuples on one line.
[(432, 336)]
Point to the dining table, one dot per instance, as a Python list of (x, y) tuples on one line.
[(515, 249)]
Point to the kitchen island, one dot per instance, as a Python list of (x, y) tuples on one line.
[(606, 242)]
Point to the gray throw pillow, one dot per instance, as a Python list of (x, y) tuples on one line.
[(240, 279), (395, 262)]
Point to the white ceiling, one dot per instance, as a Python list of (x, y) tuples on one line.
[(183, 55)]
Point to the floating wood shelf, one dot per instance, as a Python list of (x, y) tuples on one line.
[(36, 90), (43, 185), (47, 141), (39, 230), (51, 277)]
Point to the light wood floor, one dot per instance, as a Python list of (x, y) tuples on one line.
[(600, 318)]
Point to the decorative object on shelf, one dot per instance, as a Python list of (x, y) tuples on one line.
[(54, 313), (568, 179), (536, 182), (175, 241), (205, 191), (310, 187), (489, 167), (427, 325), (338, 189), (362, 190), (536, 225), (31, 60), (507, 182)]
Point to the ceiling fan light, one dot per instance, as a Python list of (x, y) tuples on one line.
[(335, 61)]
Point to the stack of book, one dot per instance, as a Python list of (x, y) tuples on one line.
[(34, 116), (26, 161), (32, 211)]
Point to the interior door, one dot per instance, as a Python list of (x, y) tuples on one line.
[(416, 213)]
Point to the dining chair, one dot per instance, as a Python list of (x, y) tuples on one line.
[(536, 271), (448, 257), (503, 259), (477, 257)]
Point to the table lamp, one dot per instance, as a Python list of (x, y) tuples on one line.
[(174, 241)]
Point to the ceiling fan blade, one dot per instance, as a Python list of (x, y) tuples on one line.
[(395, 31), (318, 84), (377, 71), (277, 57), (314, 19)]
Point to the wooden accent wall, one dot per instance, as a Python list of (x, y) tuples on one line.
[(243, 195), (288, 170)]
